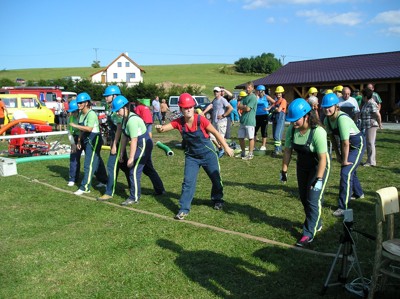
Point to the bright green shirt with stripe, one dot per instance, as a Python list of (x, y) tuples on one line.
[(135, 126), (319, 142)]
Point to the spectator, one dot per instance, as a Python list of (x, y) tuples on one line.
[(90, 141), (349, 104), (262, 114), (358, 97), (307, 137), (278, 111), (156, 110), (375, 95), (164, 109), (220, 110), (248, 105), (352, 147), (234, 113), (370, 122), (145, 113), (228, 96), (138, 159), (195, 131)]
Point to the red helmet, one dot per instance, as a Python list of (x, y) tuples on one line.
[(186, 101)]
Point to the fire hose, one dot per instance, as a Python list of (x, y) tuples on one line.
[(165, 148)]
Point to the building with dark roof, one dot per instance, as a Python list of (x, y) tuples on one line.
[(381, 69)]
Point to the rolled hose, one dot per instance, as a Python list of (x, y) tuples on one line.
[(165, 148), (41, 158)]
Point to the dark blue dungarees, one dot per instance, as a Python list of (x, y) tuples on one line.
[(142, 164), (349, 183), (199, 151), (93, 165), (306, 168), (113, 164)]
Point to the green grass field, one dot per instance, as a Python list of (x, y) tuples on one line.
[(54, 244)]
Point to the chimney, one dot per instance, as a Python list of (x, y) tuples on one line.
[(126, 53)]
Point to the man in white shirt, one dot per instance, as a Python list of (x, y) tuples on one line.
[(349, 104), (156, 110)]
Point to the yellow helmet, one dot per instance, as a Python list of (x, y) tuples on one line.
[(242, 94), (312, 90), (279, 89), (338, 88), (328, 91)]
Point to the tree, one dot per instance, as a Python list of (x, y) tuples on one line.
[(266, 63), (96, 64)]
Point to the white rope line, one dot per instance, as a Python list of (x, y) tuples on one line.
[(194, 223)]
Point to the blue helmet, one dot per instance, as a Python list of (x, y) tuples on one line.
[(297, 109), (329, 100), (118, 103), (73, 106), (111, 90), (260, 87), (82, 97)]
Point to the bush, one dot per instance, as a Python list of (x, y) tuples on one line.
[(266, 64)]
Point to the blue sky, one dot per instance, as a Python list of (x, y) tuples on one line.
[(54, 33)]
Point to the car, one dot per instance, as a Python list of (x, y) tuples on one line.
[(201, 102), (20, 81), (29, 104)]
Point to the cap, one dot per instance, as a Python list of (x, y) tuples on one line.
[(216, 88), (58, 98)]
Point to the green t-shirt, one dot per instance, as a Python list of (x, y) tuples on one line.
[(319, 142), (72, 130), (90, 119), (346, 125), (249, 118), (135, 126)]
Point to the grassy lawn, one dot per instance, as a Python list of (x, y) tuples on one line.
[(55, 244)]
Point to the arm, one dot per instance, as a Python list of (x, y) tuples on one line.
[(208, 108), (132, 151), (124, 140), (210, 129), (116, 139), (335, 148), (379, 119), (164, 128), (270, 100), (287, 155), (321, 165), (345, 152), (227, 112), (81, 128)]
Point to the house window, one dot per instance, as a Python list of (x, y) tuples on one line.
[(119, 64), (127, 64), (130, 76), (115, 75)]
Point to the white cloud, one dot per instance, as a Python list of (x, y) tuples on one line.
[(270, 20), (391, 17), (392, 31), (321, 18), (255, 4)]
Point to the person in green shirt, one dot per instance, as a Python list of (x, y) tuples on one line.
[(308, 138), (139, 155), (75, 154), (248, 105)]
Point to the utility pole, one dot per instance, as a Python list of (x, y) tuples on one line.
[(95, 49), (283, 59)]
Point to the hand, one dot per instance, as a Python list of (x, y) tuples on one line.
[(130, 162), (283, 177), (78, 146), (229, 152), (158, 128), (345, 163), (113, 150), (73, 148), (317, 184)]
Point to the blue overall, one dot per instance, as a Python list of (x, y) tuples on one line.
[(75, 163), (199, 151), (113, 164), (278, 125), (306, 168), (349, 183), (91, 144), (142, 163)]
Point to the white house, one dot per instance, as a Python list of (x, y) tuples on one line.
[(122, 70)]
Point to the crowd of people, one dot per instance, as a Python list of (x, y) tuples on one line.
[(338, 122)]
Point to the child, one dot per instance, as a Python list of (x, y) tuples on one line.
[(199, 151)]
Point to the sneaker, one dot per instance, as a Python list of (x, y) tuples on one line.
[(338, 213), (129, 202), (80, 192), (101, 185), (359, 197), (248, 157), (240, 156), (218, 206), (70, 184), (304, 241), (263, 148), (221, 152), (319, 228), (104, 197), (180, 216)]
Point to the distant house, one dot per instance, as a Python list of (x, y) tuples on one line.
[(381, 69), (123, 70)]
